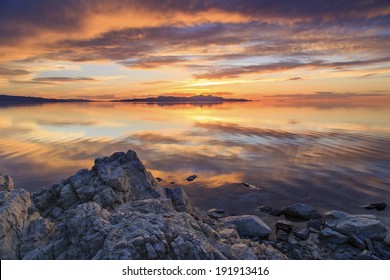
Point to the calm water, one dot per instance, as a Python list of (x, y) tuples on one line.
[(331, 158)]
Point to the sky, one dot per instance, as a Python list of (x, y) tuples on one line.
[(114, 49)]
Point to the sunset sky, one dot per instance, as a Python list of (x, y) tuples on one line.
[(128, 48)]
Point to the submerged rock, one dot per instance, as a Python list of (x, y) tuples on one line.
[(380, 206), (191, 178)]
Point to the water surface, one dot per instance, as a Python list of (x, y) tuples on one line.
[(331, 158)]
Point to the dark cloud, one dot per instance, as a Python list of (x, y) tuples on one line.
[(51, 80), (4, 71), (234, 72), (294, 79)]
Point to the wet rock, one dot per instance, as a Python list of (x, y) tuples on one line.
[(333, 236), (179, 199), (249, 225), (380, 206), (363, 226), (270, 210), (250, 186), (6, 183), (216, 213), (283, 225), (302, 211), (302, 234), (191, 178)]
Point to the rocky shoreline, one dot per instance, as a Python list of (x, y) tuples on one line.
[(117, 210)]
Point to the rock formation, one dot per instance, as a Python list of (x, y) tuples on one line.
[(117, 210)]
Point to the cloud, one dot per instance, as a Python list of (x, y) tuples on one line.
[(53, 80), (4, 71), (235, 72), (294, 79)]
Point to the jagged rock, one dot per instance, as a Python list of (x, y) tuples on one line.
[(366, 255), (13, 216), (363, 226), (302, 211), (333, 236), (380, 206), (249, 225), (317, 224), (302, 233), (356, 241), (243, 252), (216, 213), (6, 183), (283, 225), (229, 233), (179, 199)]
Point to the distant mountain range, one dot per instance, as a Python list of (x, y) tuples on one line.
[(10, 100), (207, 99), (168, 100)]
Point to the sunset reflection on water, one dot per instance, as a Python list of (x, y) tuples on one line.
[(332, 158)]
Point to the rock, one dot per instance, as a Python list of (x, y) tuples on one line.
[(6, 183), (302, 211), (282, 236), (381, 250), (191, 178), (243, 252), (366, 255), (283, 225), (270, 210), (333, 236), (179, 199), (363, 226), (228, 233), (317, 224), (356, 241), (302, 233), (380, 206), (13, 216), (296, 254), (249, 225), (215, 213), (250, 186)]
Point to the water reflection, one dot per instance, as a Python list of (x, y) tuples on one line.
[(334, 159)]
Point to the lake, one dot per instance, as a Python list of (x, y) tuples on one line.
[(328, 157)]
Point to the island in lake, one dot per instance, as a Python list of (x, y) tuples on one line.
[(197, 99), (27, 100)]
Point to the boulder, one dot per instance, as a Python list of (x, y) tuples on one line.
[(249, 225), (243, 252), (333, 236), (302, 211), (363, 226)]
